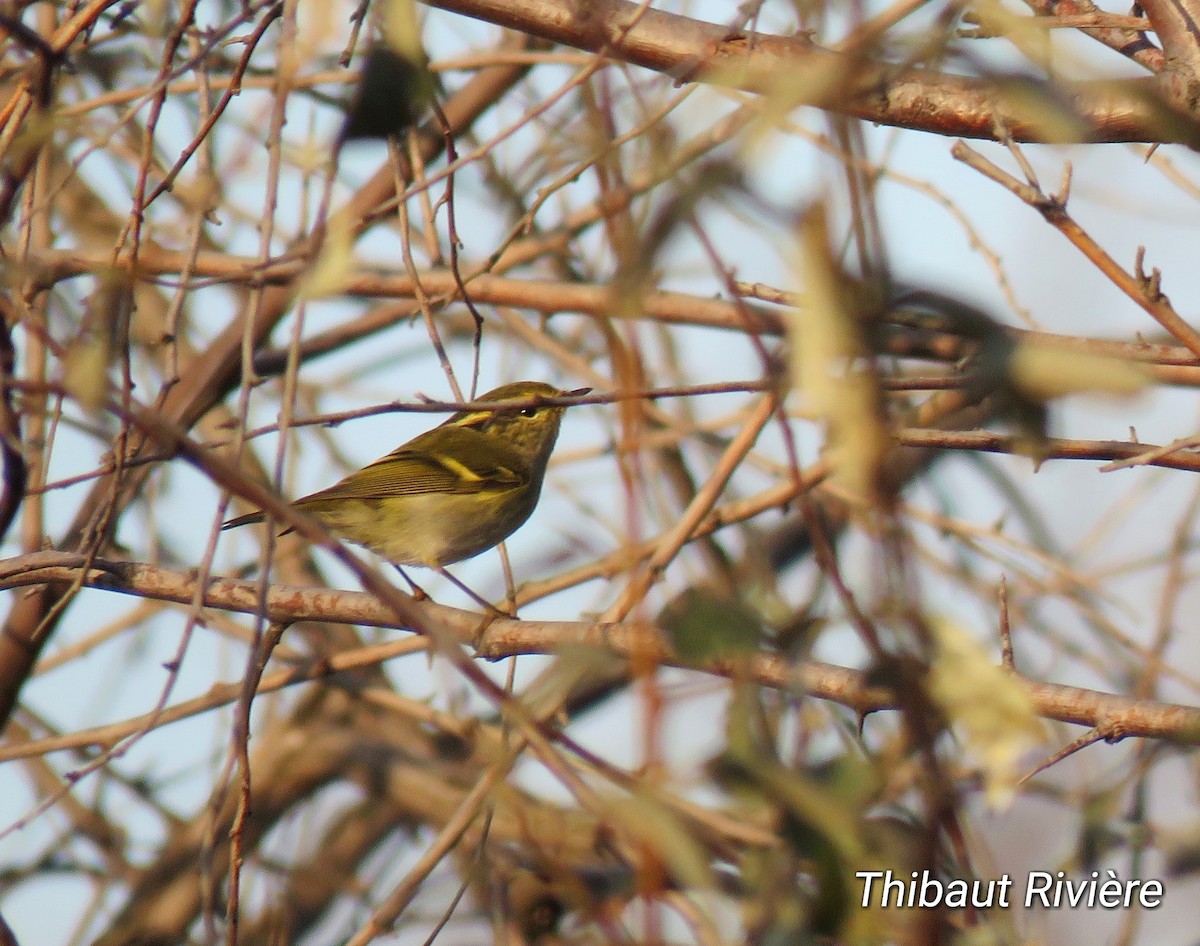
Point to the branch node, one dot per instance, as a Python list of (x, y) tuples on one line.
[(1151, 283)]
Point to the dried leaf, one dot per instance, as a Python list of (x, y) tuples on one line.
[(826, 344), (393, 92), (1037, 105), (574, 668), (652, 824)]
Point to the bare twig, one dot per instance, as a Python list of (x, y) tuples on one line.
[(1143, 290)]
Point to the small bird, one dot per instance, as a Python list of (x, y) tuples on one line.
[(451, 492)]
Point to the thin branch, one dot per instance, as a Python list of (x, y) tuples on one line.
[(1142, 289)]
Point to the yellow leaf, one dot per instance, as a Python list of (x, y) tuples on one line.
[(85, 372), (1043, 373), (402, 31), (993, 714), (334, 264)]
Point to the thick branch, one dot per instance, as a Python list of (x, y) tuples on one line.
[(1177, 24), (796, 68), (921, 336), (498, 638)]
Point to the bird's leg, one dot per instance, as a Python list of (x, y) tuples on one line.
[(467, 591), (418, 593), (510, 588)]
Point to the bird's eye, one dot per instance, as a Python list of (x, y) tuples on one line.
[(529, 411)]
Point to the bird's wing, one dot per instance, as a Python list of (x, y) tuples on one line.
[(413, 469)]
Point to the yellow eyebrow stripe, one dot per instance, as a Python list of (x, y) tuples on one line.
[(478, 417), (463, 471)]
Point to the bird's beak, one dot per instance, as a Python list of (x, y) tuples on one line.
[(578, 392)]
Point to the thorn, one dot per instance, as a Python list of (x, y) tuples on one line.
[(1006, 647), (1064, 189)]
